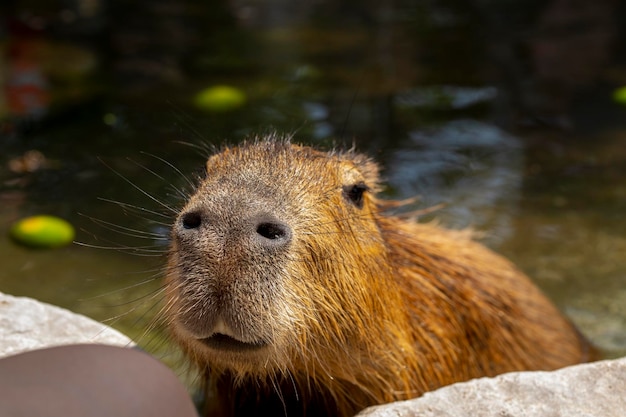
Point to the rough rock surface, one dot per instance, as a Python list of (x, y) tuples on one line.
[(27, 324), (596, 389)]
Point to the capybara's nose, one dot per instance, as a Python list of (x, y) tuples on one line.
[(270, 232), (261, 230)]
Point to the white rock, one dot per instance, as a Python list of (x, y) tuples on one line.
[(27, 324), (596, 389)]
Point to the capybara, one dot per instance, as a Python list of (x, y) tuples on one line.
[(296, 293)]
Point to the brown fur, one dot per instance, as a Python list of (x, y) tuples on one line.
[(354, 307)]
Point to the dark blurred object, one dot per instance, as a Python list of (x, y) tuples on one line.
[(44, 66), (30, 161)]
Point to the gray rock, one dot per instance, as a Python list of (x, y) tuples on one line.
[(27, 324), (596, 389)]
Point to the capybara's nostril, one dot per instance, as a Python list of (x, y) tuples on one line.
[(273, 232), (191, 220)]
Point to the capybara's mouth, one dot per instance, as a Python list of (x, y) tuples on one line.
[(220, 341)]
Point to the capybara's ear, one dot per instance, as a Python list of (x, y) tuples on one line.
[(369, 169)]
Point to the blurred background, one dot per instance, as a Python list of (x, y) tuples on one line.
[(508, 112)]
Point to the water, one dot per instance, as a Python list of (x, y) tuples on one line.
[(503, 116)]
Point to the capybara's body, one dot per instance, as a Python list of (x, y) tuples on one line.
[(295, 293)]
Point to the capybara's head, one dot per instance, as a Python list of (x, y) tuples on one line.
[(277, 262)]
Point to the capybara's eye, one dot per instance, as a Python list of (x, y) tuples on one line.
[(354, 193), (191, 220)]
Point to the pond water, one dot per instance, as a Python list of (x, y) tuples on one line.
[(506, 116)]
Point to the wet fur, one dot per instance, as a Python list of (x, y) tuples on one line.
[(362, 308)]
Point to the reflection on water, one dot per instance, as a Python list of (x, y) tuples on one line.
[(474, 169), (503, 114), (569, 235), (581, 266)]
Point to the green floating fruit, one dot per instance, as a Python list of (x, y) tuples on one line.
[(42, 232), (220, 98), (619, 95)]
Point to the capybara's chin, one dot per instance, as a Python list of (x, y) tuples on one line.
[(296, 292), (230, 354)]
